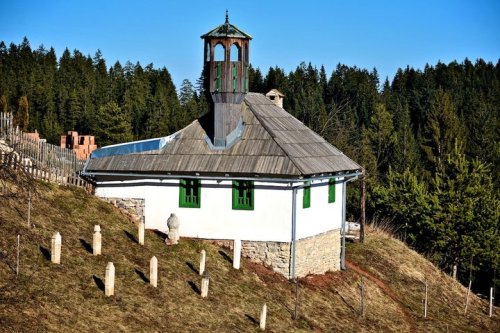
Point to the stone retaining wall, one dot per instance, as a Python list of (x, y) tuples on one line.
[(131, 207), (314, 255)]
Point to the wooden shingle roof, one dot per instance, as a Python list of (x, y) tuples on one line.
[(273, 144)]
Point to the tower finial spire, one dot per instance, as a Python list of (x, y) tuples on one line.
[(227, 17)]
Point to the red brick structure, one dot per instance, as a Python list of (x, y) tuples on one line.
[(34, 136), (83, 145)]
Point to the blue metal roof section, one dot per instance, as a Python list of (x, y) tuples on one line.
[(134, 147)]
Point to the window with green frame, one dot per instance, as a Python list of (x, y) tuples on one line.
[(331, 190), (306, 196), (243, 195), (189, 193)]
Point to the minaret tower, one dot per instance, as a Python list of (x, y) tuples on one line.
[(226, 64)]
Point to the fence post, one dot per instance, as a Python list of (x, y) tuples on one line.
[(425, 300), (491, 302), (467, 298), (29, 207), (18, 249)]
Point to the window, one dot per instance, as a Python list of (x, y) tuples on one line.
[(331, 190), (235, 54), (243, 195), (189, 193), (219, 52), (306, 198)]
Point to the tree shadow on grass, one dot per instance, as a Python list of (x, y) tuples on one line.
[(86, 245), (142, 275), (226, 256), (190, 265), (45, 252), (98, 282), (194, 287), (130, 236)]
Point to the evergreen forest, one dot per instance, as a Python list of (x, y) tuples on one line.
[(428, 139)]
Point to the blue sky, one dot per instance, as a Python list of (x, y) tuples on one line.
[(383, 34)]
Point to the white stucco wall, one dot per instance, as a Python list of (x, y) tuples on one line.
[(215, 219), (321, 216), (271, 219)]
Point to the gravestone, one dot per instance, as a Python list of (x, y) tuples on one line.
[(263, 317), (173, 224), (204, 284), (97, 240), (109, 280), (203, 257), (153, 271), (236, 253), (141, 231), (55, 255)]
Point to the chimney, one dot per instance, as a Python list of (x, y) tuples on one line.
[(276, 97)]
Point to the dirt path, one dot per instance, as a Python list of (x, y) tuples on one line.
[(386, 289)]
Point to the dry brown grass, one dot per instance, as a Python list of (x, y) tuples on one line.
[(66, 297)]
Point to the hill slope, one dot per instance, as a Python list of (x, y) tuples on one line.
[(68, 298)]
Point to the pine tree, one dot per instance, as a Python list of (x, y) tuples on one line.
[(4, 106), (441, 130), (22, 114), (406, 154), (50, 128), (470, 210), (255, 80), (113, 125), (382, 137)]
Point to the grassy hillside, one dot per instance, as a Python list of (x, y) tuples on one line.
[(69, 298)]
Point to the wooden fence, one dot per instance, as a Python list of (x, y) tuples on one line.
[(40, 159)]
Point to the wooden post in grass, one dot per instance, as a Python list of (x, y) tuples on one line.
[(204, 284), (141, 232), (17, 257), (153, 272), (362, 217), (203, 258), (55, 254), (109, 280), (29, 208), (491, 302), (467, 297), (97, 240), (236, 253), (425, 300), (263, 317), (362, 297)]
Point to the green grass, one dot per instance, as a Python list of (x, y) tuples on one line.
[(66, 298)]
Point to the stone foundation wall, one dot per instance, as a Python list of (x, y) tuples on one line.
[(131, 207), (271, 254), (318, 254), (313, 255)]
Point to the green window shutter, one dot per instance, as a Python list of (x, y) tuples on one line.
[(218, 80), (331, 190), (189, 193), (306, 198), (234, 77), (243, 195)]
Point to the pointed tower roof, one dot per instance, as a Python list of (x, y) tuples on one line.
[(226, 30)]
